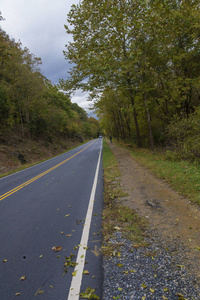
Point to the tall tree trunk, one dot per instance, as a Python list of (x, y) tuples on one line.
[(149, 122), (139, 142)]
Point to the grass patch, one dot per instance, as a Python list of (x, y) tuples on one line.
[(183, 176), (117, 217)]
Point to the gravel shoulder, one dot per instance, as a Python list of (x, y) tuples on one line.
[(169, 267)]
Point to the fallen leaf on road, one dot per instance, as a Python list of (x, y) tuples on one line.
[(67, 215), (68, 235), (86, 272), (74, 273), (89, 294), (5, 260), (17, 294), (23, 278), (57, 248)]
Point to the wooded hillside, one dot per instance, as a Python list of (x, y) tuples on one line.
[(139, 59), (30, 106)]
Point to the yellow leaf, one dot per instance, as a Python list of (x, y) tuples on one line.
[(23, 278), (67, 215), (152, 290), (117, 228), (120, 265), (68, 234), (5, 260), (17, 294), (86, 272), (74, 273)]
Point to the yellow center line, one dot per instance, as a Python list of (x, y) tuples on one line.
[(40, 175)]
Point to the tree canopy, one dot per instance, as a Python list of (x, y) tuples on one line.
[(30, 104), (141, 57)]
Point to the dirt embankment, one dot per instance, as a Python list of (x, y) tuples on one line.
[(16, 152), (169, 213)]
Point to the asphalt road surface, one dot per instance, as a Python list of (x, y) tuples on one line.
[(56, 204)]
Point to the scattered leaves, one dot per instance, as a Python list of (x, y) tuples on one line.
[(57, 248), (69, 262), (181, 297), (89, 294)]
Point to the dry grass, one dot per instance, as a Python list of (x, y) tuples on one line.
[(117, 217)]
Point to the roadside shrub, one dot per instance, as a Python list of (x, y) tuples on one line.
[(184, 138)]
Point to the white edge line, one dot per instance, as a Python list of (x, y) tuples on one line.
[(77, 279)]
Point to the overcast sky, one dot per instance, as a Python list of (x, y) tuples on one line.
[(39, 25)]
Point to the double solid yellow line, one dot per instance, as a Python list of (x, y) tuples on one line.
[(40, 175)]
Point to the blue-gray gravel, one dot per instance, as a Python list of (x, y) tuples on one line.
[(155, 272)]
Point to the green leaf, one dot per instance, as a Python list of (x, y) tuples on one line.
[(89, 294)]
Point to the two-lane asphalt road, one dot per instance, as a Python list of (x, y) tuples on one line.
[(57, 203)]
